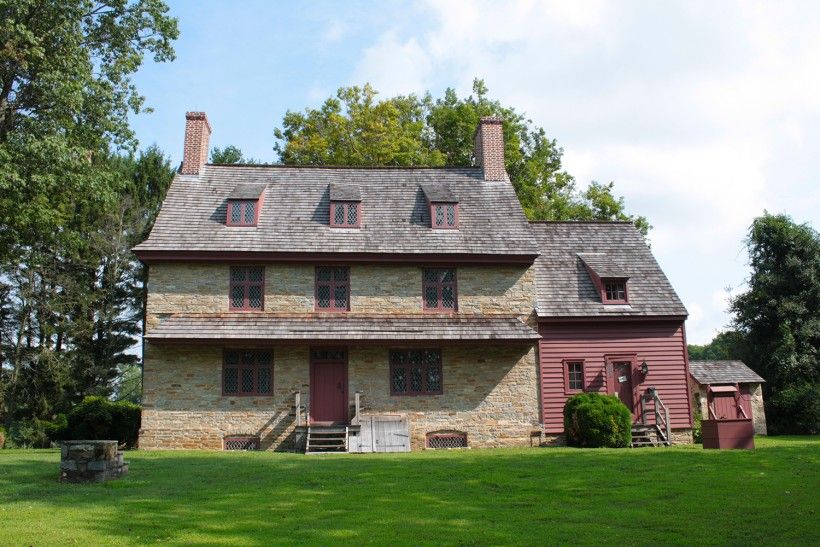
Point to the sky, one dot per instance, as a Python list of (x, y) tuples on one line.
[(704, 114)]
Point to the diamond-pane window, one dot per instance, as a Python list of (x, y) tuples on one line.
[(439, 289), (444, 215), (332, 288), (415, 372), (242, 212), (247, 288), (247, 372), (345, 214), (447, 440)]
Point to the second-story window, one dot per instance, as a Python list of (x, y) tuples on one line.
[(444, 215), (439, 289), (242, 212), (332, 288), (345, 214), (247, 290)]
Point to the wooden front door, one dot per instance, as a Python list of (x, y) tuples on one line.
[(328, 388), (622, 383)]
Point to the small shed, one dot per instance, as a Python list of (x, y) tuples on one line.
[(731, 388)]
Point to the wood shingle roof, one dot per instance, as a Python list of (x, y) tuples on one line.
[(295, 214), (563, 284), (722, 372)]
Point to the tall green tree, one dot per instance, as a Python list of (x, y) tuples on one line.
[(779, 318), (67, 203), (727, 345), (357, 128)]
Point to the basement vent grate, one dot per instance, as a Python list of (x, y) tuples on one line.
[(241, 443), (447, 440)]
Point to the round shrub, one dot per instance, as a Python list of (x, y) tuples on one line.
[(593, 420), (99, 418)]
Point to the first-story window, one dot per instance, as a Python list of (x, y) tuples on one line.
[(574, 375), (247, 288), (247, 372), (415, 372)]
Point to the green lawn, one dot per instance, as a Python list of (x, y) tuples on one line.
[(521, 496)]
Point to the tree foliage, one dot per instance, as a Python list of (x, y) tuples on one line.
[(727, 345), (357, 128), (73, 198), (779, 319)]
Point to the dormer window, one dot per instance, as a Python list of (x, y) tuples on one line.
[(242, 212), (608, 276), (345, 206), (444, 215), (344, 214), (614, 291), (443, 206), (244, 204)]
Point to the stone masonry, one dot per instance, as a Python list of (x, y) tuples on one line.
[(490, 393)]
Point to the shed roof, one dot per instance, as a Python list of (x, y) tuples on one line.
[(565, 289), (179, 327), (345, 192), (295, 216), (247, 191), (441, 193), (722, 372), (603, 265)]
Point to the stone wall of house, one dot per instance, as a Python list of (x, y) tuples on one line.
[(490, 393), (374, 289), (701, 403)]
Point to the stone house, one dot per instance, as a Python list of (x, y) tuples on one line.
[(728, 390), (391, 308)]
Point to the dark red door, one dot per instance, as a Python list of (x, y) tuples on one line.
[(622, 379), (328, 392)]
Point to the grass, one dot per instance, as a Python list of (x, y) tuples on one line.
[(517, 496)]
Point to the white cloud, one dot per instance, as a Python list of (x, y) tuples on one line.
[(704, 114)]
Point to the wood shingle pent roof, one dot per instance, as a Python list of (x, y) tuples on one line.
[(565, 289), (722, 372), (295, 215), (180, 327)]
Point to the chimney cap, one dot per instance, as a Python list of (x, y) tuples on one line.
[(198, 116)]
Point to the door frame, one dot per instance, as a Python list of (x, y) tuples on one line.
[(341, 362), (632, 359)]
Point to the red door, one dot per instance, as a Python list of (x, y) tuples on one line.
[(622, 381), (328, 392)]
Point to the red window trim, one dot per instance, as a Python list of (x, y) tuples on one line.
[(608, 280), (246, 283), (232, 203), (333, 284), (425, 366), (445, 226), (242, 366), (346, 205), (439, 308), (566, 363)]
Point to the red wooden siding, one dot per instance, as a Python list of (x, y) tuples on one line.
[(659, 343)]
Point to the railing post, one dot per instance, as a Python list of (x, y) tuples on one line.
[(357, 403), (298, 406), (668, 427)]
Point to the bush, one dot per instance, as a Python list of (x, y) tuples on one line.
[(2, 437), (27, 434), (99, 418), (593, 420)]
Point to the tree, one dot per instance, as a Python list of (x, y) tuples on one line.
[(230, 154), (355, 128), (779, 318), (725, 346)]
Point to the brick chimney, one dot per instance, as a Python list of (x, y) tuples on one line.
[(197, 137), (489, 148)]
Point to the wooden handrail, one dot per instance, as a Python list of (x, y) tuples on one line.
[(297, 405), (662, 417)]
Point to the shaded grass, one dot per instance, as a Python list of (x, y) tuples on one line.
[(527, 496)]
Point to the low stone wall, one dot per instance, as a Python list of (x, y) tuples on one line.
[(91, 461)]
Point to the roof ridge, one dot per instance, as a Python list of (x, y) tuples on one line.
[(396, 167), (580, 222)]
